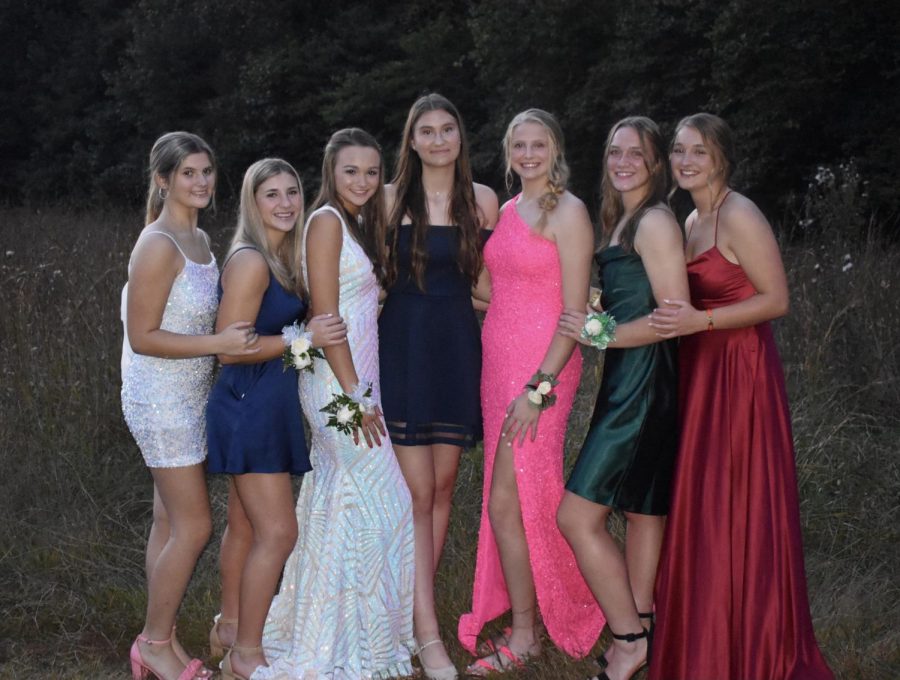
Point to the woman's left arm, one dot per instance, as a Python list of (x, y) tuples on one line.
[(575, 243), (745, 234)]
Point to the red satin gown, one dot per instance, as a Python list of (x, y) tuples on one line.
[(731, 595)]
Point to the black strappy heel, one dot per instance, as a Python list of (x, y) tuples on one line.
[(628, 637), (601, 658)]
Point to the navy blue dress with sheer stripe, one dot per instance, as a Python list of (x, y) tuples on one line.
[(430, 348)]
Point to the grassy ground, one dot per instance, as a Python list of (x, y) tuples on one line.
[(75, 498)]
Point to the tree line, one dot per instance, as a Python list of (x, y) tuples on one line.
[(89, 84)]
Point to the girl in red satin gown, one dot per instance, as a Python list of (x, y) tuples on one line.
[(731, 590)]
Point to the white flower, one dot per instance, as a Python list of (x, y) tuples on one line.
[(300, 346), (535, 397), (302, 361), (593, 326), (344, 415), (544, 387)]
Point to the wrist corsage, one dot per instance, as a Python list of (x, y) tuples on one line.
[(298, 352), (599, 329), (540, 390), (346, 410)]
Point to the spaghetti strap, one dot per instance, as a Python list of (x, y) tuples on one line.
[(237, 250), (716, 232)]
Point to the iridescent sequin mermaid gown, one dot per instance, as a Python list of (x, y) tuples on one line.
[(344, 611)]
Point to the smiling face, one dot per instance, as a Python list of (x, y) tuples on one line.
[(693, 162), (193, 182), (627, 162), (357, 171), (436, 138), (530, 151), (279, 200)]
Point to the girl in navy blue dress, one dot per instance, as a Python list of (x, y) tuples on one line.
[(429, 338), (254, 422)]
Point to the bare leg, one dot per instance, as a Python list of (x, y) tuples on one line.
[(643, 544), (446, 465), (182, 494), (602, 564), (268, 501), (236, 543), (160, 533), (418, 466), (509, 532)]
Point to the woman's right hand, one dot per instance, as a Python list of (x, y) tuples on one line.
[(238, 339), (372, 426), (327, 330), (571, 321)]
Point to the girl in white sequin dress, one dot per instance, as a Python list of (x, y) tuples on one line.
[(344, 611), (169, 308)]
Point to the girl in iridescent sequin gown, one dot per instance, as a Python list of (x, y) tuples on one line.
[(539, 260), (168, 308), (344, 611)]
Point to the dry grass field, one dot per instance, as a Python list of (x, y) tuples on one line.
[(75, 498)]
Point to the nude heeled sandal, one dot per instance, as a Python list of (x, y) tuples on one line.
[(227, 671), (217, 648)]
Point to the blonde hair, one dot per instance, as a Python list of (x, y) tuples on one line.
[(558, 174), (284, 263), (166, 156)]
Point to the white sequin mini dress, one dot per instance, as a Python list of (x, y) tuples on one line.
[(164, 400)]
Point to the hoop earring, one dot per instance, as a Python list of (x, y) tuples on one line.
[(163, 193)]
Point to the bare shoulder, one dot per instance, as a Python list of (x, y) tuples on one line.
[(249, 260), (323, 222), (155, 248), (739, 217), (659, 220), (571, 213), (486, 200)]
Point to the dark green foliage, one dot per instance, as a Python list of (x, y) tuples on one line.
[(89, 84)]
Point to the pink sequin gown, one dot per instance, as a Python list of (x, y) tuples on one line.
[(526, 301)]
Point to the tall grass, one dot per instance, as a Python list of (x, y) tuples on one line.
[(75, 497)]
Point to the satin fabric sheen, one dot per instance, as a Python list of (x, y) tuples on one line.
[(731, 596)]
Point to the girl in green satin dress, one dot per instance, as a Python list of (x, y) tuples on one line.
[(627, 459)]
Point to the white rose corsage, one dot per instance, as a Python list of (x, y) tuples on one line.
[(540, 390), (599, 329), (298, 351), (346, 410)]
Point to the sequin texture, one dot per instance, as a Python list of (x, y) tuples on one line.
[(344, 611), (526, 301), (164, 400)]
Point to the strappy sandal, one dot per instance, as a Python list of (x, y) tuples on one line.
[(140, 670), (217, 648), (629, 637), (507, 660), (601, 661), (203, 673), (227, 671)]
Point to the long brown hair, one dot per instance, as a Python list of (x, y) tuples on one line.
[(369, 228), (411, 200), (612, 209), (166, 155), (558, 174), (285, 262)]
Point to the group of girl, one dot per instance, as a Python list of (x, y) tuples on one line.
[(719, 588)]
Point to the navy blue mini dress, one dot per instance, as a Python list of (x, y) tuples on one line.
[(253, 417), (430, 348)]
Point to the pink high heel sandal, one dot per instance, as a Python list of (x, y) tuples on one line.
[(141, 671)]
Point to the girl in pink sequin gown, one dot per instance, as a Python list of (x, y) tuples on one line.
[(523, 562)]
